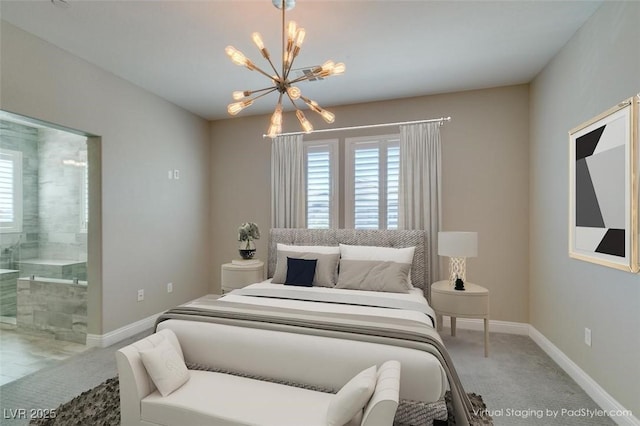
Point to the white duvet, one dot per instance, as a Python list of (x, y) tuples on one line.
[(409, 306)]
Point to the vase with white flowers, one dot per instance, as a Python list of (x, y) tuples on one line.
[(247, 232)]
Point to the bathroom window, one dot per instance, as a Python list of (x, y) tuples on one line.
[(10, 191)]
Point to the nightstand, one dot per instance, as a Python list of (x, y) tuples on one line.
[(473, 302), (237, 275)]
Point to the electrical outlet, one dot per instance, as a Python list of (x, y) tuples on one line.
[(170, 174), (587, 336), (169, 287), (176, 174), (140, 295)]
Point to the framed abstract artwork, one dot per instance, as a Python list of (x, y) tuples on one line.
[(603, 188)]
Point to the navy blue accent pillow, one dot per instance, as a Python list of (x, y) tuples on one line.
[(300, 272)]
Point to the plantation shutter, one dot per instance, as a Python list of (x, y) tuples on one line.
[(10, 191), (318, 187), (393, 174), (366, 191), (372, 182)]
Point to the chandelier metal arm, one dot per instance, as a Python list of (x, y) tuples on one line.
[(292, 101), (270, 90), (302, 78), (270, 77), (273, 68)]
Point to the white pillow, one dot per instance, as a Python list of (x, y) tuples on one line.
[(351, 399), (310, 249), (385, 254), (165, 366)]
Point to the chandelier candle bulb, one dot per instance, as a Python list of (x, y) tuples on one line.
[(273, 131), (236, 107), (237, 95), (306, 126), (300, 38), (292, 30), (257, 39), (294, 92), (327, 116), (276, 118), (339, 68), (236, 56)]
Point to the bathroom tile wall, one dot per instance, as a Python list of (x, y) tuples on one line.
[(53, 308), (8, 283), (62, 163)]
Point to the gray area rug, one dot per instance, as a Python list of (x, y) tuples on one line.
[(100, 406)]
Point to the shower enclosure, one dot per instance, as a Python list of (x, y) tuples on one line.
[(43, 229)]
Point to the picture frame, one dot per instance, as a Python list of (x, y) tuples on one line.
[(603, 188)]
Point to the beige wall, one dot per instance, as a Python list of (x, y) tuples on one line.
[(599, 67), (485, 187), (154, 230)]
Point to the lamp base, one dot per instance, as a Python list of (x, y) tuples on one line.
[(457, 269)]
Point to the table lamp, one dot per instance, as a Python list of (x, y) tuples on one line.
[(458, 246)]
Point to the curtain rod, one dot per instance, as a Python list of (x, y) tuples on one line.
[(440, 120)]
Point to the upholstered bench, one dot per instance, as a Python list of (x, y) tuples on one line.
[(213, 398)]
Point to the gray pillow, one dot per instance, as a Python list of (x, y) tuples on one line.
[(326, 267), (374, 275)]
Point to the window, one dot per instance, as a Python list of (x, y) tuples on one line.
[(321, 158), (10, 191), (371, 178)]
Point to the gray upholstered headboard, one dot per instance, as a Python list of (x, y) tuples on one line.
[(381, 238)]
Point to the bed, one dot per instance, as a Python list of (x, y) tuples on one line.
[(337, 321)]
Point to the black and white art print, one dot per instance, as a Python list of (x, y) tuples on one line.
[(603, 195)]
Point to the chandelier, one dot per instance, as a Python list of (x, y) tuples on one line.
[(292, 38)]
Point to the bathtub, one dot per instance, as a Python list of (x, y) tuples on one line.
[(53, 307), (53, 268)]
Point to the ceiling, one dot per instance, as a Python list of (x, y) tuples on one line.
[(392, 49)]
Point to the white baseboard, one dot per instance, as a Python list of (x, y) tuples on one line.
[(115, 336), (590, 386), (495, 326)]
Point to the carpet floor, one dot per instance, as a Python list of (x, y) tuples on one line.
[(518, 382), (100, 406)]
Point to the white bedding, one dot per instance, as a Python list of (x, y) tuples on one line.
[(409, 306)]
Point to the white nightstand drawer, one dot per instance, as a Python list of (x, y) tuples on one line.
[(472, 302), (237, 275)]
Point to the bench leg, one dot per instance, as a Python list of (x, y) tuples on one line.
[(453, 326)]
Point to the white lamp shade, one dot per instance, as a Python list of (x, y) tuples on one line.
[(458, 244)]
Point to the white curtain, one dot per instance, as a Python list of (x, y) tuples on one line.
[(287, 182), (420, 186)]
